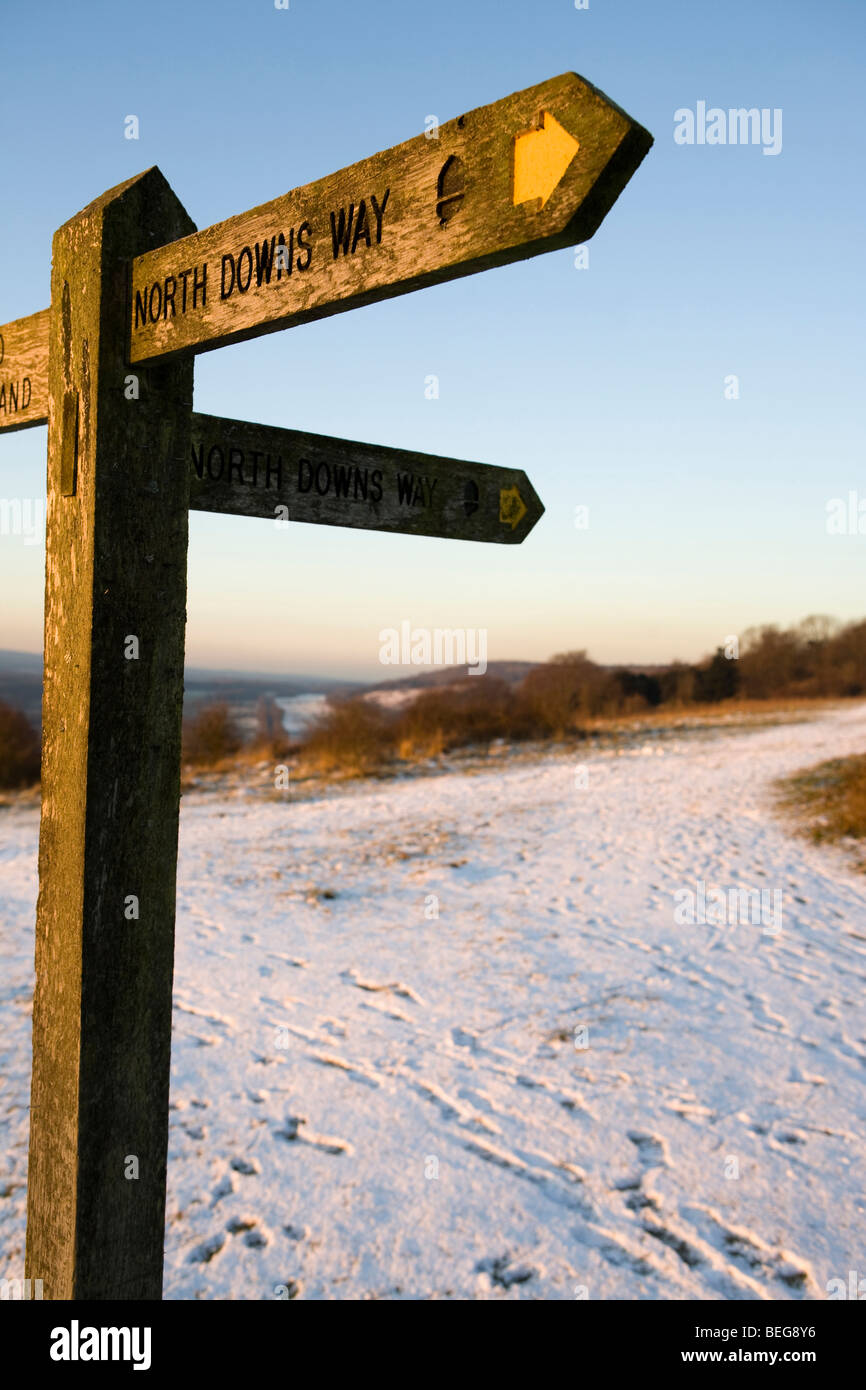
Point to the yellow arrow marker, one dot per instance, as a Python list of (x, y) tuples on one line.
[(512, 508), (541, 157)]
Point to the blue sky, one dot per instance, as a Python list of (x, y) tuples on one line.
[(606, 384)]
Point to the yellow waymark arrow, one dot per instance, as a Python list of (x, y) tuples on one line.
[(541, 157), (512, 508)]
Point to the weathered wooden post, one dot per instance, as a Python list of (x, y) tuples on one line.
[(115, 596), (130, 284)]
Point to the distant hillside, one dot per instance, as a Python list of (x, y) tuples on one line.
[(241, 687), (512, 672), (21, 684)]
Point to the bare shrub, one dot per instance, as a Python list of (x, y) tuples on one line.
[(476, 710), (353, 735), (270, 736), (19, 749), (565, 690), (210, 735)]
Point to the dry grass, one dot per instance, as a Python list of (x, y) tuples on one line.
[(357, 737), (353, 737), (210, 735), (719, 712), (829, 802)]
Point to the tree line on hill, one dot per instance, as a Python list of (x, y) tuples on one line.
[(817, 658)]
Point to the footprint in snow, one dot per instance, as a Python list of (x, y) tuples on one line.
[(828, 1008), (224, 1188), (204, 1253), (764, 1017), (674, 1241), (395, 986), (248, 1166), (653, 1151), (327, 1143), (503, 1272), (248, 1227), (238, 1224), (333, 1026), (807, 1078), (788, 1136), (755, 1256), (291, 1289), (353, 1073)]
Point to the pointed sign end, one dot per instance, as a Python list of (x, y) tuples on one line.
[(541, 158), (520, 508)]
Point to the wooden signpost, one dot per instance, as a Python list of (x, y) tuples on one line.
[(115, 599), (534, 172), (136, 289), (259, 470)]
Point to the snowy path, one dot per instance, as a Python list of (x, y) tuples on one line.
[(369, 1101)]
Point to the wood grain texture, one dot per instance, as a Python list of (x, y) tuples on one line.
[(416, 226), (252, 470), (115, 567), (24, 372)]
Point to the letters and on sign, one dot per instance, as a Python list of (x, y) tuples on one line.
[(24, 372)]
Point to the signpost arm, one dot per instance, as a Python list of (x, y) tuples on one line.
[(115, 596)]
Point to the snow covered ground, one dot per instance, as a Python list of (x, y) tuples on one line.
[(552, 1089)]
